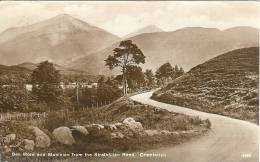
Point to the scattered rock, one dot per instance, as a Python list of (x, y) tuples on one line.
[(41, 139), (98, 126), (9, 138), (117, 135), (129, 120), (133, 125), (16, 145), (152, 132), (63, 135), (175, 133), (96, 130), (7, 149), (111, 127), (165, 132), (124, 128), (118, 124), (81, 130), (188, 133), (28, 145)]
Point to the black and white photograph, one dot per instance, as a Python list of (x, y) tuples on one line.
[(129, 81)]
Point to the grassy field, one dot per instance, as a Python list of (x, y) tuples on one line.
[(152, 118), (227, 85)]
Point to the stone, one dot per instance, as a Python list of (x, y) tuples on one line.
[(118, 124), (41, 139), (117, 135), (9, 138), (152, 132), (133, 125), (81, 130), (129, 120), (28, 145), (111, 127), (96, 130), (98, 126), (7, 149), (165, 132), (63, 135)]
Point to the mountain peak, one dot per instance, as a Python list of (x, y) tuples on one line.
[(57, 24), (151, 28), (65, 17), (146, 29)]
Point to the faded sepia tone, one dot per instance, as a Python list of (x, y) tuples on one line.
[(129, 81)]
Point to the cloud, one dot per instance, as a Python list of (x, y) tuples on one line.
[(124, 17)]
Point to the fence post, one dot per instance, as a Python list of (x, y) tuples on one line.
[(44, 116)]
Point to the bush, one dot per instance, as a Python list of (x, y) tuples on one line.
[(54, 120), (37, 107), (13, 98), (106, 92)]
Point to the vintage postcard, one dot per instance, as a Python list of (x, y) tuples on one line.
[(129, 81)]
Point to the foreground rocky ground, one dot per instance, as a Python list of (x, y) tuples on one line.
[(123, 126), (226, 85)]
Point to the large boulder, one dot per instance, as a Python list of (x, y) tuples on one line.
[(28, 145), (63, 135), (82, 130), (124, 128), (41, 139), (133, 125)]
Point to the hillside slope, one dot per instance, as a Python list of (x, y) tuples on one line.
[(63, 70), (22, 72), (227, 84), (147, 29), (60, 39), (186, 47)]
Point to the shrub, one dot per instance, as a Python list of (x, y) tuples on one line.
[(54, 120), (13, 98), (37, 107)]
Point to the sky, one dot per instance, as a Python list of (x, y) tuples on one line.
[(122, 18)]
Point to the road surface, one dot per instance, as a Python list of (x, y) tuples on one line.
[(230, 140)]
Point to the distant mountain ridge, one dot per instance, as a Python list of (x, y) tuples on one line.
[(147, 29), (186, 47), (59, 39), (63, 70)]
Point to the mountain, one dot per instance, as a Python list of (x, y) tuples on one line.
[(147, 29), (16, 73), (63, 70), (59, 39), (227, 84), (12, 70), (186, 47)]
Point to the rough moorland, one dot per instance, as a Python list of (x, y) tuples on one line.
[(226, 85)]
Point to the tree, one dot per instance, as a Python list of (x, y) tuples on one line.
[(89, 96), (13, 98), (106, 92), (124, 56), (164, 72), (181, 72), (135, 77), (150, 78), (46, 83)]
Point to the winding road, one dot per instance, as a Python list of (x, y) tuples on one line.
[(229, 140)]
